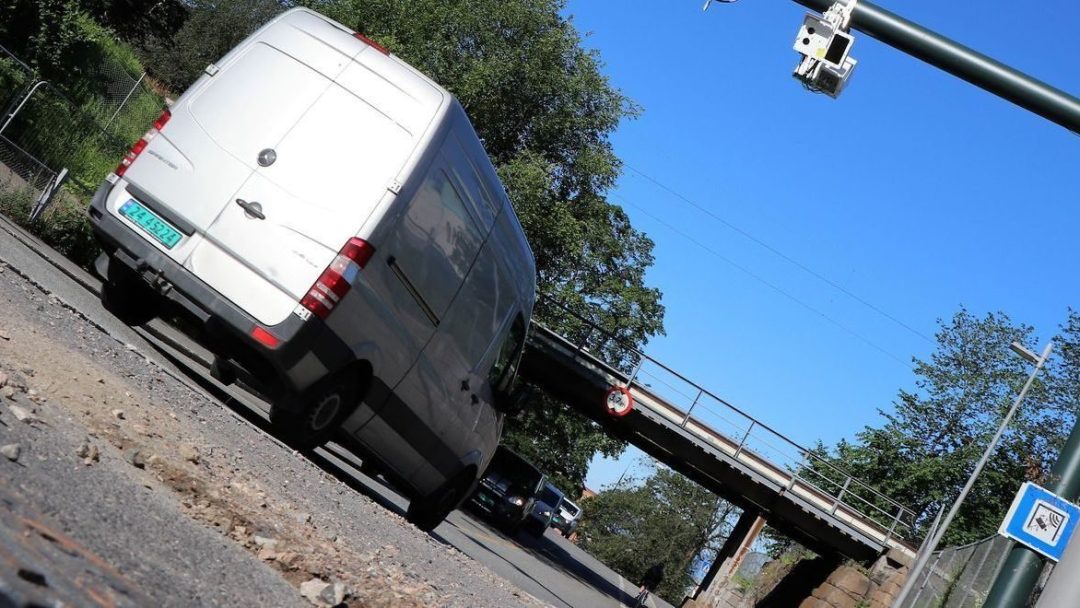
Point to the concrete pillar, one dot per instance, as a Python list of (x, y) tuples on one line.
[(727, 561)]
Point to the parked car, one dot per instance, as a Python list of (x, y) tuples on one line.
[(567, 518), (508, 489), (544, 509), (328, 217)]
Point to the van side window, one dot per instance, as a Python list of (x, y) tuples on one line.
[(470, 176), (444, 239), (504, 368)]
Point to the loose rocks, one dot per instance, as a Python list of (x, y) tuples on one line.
[(88, 452), (322, 593), (11, 451), (22, 414), (189, 453), (137, 459)]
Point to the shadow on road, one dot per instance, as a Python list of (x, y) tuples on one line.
[(551, 551)]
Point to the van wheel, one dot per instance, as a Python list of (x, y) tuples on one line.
[(427, 512), (317, 413), (128, 297)]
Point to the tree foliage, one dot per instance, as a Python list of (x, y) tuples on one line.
[(54, 36), (667, 519), (935, 434), (212, 28)]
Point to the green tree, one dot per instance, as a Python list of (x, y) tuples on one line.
[(1065, 370), (212, 28), (935, 434), (667, 518)]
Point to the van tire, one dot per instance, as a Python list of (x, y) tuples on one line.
[(310, 419), (128, 297), (427, 512)]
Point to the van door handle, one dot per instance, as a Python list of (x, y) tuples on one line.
[(253, 209)]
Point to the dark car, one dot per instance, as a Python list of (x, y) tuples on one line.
[(544, 509), (508, 489)]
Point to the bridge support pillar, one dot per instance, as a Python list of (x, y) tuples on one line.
[(727, 561)]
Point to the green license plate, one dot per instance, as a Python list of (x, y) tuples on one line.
[(151, 223)]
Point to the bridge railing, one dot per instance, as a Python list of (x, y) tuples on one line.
[(700, 410)]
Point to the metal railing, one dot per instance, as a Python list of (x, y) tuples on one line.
[(702, 411)]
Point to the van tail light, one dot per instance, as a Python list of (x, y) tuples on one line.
[(337, 279), (264, 337), (368, 41), (140, 145)]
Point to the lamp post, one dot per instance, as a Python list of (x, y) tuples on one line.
[(936, 535)]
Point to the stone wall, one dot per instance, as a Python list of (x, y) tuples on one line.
[(852, 587)]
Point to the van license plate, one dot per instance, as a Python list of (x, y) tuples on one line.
[(151, 223)]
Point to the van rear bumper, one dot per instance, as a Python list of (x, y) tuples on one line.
[(308, 350)]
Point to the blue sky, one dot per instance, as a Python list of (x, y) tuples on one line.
[(915, 191)]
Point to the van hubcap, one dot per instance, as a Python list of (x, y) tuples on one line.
[(324, 411)]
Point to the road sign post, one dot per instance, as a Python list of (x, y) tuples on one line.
[(1020, 572)]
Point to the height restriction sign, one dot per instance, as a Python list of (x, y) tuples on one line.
[(1042, 521)]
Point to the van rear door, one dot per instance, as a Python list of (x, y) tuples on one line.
[(321, 158)]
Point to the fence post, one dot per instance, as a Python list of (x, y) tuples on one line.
[(47, 194), (585, 340), (637, 368), (840, 496), (124, 102), (926, 578), (11, 117), (686, 418), (742, 442)]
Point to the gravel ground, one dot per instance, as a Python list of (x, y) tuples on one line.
[(179, 501)]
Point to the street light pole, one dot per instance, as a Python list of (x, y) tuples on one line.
[(928, 549)]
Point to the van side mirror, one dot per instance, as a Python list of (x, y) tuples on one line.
[(511, 402)]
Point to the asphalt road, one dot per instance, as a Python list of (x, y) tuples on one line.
[(549, 568)]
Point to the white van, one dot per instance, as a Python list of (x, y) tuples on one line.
[(329, 218)]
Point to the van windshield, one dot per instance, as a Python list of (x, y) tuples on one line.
[(550, 495)]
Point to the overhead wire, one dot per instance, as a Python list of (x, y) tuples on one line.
[(782, 255), (770, 285)]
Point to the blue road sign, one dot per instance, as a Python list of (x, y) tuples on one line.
[(1042, 521)]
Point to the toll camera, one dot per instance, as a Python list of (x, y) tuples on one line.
[(825, 46)]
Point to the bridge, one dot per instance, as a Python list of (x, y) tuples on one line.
[(724, 449)]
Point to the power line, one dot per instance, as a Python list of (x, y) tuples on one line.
[(772, 286), (783, 256)]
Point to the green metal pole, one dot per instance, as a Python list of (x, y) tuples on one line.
[(1018, 576), (961, 61)]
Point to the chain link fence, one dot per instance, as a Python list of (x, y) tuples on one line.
[(84, 128), (21, 174), (123, 104), (960, 577)]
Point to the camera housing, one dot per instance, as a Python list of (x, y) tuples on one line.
[(826, 63)]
